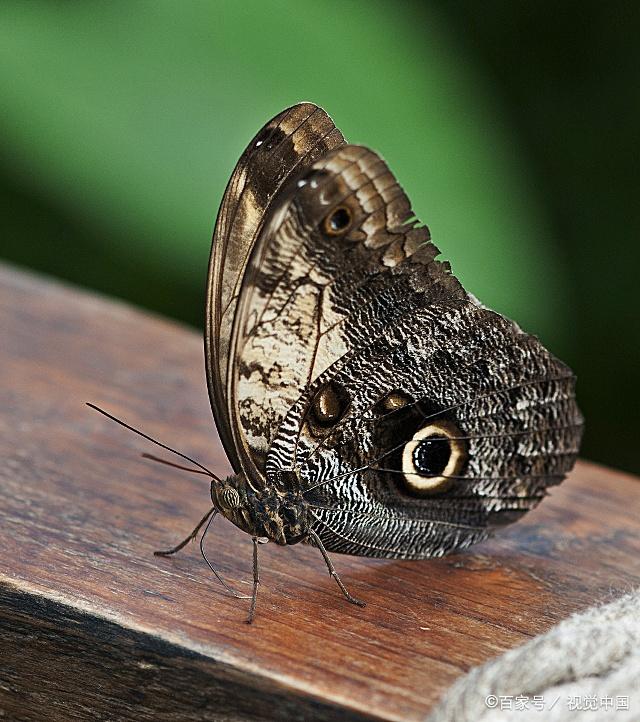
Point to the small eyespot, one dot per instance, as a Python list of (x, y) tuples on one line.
[(338, 222), (434, 455), (393, 401), (230, 498), (329, 405)]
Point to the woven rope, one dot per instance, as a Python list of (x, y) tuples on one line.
[(595, 654)]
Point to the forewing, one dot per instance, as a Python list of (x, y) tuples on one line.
[(288, 143)]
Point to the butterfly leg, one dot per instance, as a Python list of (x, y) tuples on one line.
[(256, 581), (209, 516), (332, 570), (232, 591), (191, 537)]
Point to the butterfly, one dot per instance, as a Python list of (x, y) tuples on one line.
[(367, 403)]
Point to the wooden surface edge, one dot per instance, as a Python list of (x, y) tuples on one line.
[(93, 627), (61, 659)]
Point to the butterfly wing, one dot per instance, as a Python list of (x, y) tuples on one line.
[(285, 145), (355, 345), (482, 391), (331, 245)]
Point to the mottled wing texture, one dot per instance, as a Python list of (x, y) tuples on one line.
[(366, 311), (309, 297), (510, 400), (355, 353), (287, 144)]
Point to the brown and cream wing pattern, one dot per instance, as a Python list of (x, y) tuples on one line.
[(451, 422), (349, 367), (288, 143), (340, 240)]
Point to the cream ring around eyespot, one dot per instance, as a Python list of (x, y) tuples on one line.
[(423, 484)]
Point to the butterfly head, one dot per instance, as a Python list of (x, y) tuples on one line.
[(234, 499), (229, 496)]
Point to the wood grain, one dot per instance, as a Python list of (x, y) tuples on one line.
[(92, 626)]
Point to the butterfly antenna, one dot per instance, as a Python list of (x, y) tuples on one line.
[(158, 443), (171, 463)]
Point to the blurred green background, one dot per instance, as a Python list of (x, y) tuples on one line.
[(512, 125)]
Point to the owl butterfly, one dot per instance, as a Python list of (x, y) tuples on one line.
[(368, 404)]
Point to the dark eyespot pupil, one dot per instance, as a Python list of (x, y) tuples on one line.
[(339, 220), (431, 456)]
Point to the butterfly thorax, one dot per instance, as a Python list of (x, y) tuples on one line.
[(279, 514)]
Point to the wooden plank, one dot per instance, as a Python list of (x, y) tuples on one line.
[(92, 626)]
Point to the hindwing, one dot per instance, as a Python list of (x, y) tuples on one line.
[(414, 419)]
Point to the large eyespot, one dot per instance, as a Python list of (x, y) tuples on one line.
[(338, 222), (432, 457), (329, 405)]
